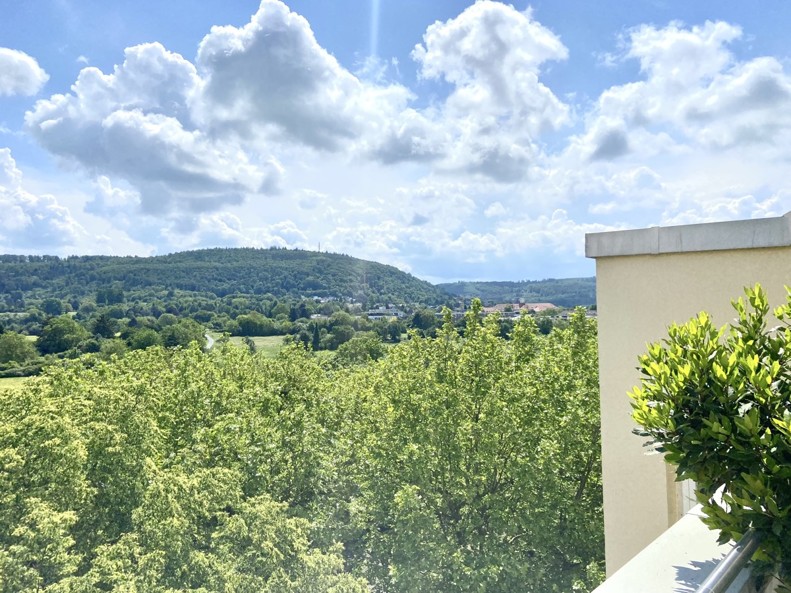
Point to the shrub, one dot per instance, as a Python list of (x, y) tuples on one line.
[(718, 403)]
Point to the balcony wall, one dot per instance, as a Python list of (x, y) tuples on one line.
[(646, 280)]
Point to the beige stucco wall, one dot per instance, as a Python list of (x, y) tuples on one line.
[(638, 296)]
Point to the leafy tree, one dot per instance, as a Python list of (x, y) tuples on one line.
[(183, 333), (474, 461), (166, 319), (60, 334), (112, 347), (340, 334), (255, 324), (452, 464), (423, 320), (161, 472), (361, 349), (250, 344), (105, 326), (144, 338), (16, 347), (52, 306)]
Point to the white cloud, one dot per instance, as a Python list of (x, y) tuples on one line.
[(135, 125), (494, 210), (31, 222), (694, 90), (20, 74), (272, 77), (268, 140), (492, 54)]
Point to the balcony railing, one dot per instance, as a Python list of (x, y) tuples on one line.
[(685, 559)]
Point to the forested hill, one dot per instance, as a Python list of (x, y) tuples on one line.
[(281, 272), (566, 292)]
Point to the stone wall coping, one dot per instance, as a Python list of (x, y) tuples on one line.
[(712, 236)]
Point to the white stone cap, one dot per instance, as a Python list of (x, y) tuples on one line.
[(712, 236), (678, 561)]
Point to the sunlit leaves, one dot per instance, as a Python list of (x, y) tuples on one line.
[(475, 460), (454, 464), (717, 402)]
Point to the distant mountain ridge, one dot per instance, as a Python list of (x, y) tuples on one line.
[(565, 292), (281, 272)]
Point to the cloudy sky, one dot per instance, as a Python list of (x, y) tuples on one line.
[(454, 139)]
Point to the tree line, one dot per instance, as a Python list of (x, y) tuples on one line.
[(456, 463)]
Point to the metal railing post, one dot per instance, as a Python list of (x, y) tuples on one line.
[(729, 567)]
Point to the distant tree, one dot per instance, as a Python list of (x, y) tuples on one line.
[(423, 320), (545, 324), (167, 319), (87, 308), (340, 318), (112, 347), (360, 349), (109, 296), (16, 347), (105, 326), (339, 335), (144, 338), (255, 324), (52, 307), (394, 331), (248, 342), (183, 333), (60, 334)]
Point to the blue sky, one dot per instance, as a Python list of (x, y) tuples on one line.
[(454, 139)]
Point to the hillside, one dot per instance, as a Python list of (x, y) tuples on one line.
[(566, 292), (281, 272)]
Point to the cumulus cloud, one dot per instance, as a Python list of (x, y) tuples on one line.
[(695, 90), (725, 208), (492, 54), (272, 76), (135, 125), (31, 222), (20, 74)]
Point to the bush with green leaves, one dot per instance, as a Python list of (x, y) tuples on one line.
[(717, 402)]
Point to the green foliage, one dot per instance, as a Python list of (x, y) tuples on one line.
[(717, 401), (161, 472), (452, 464), (473, 462), (52, 306), (221, 272), (566, 292), (15, 347), (363, 348), (144, 338), (182, 333), (423, 320), (255, 324), (61, 334)]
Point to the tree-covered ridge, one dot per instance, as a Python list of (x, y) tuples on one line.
[(454, 464), (280, 272), (565, 292)]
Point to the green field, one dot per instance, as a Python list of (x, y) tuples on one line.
[(268, 345), (12, 382)]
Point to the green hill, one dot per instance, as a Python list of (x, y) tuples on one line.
[(281, 272), (566, 292)]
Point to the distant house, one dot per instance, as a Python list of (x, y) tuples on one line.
[(515, 309), (388, 312)]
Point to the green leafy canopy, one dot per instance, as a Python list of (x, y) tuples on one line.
[(717, 401)]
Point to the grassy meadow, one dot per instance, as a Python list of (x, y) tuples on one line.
[(9, 383)]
